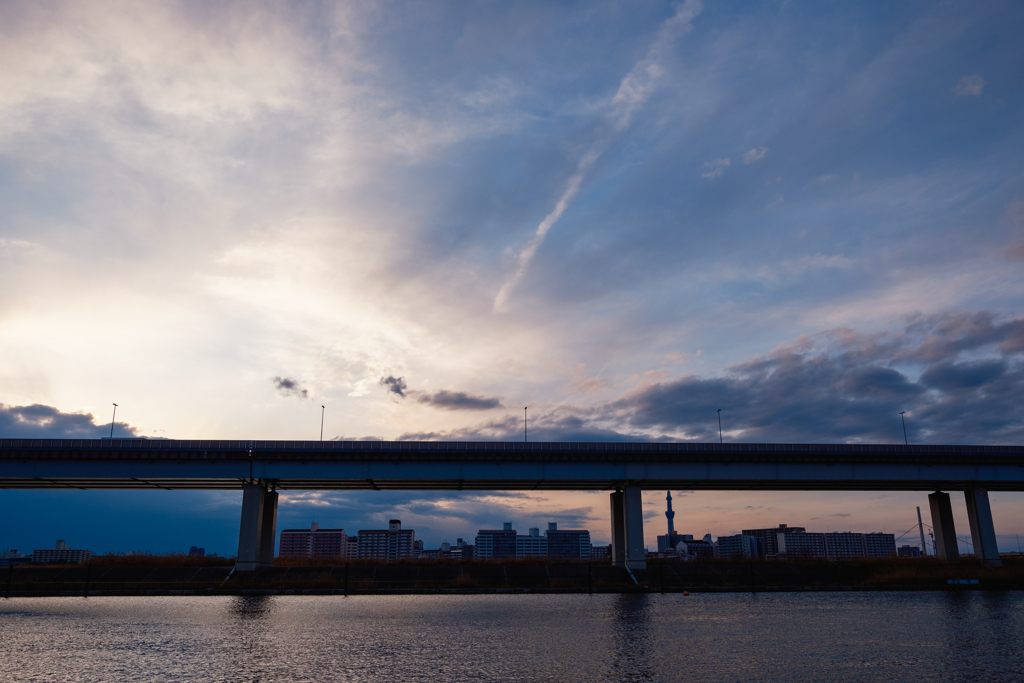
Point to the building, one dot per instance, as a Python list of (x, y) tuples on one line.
[(532, 545), (844, 545), (600, 553), (669, 542), (61, 553), (12, 557), (908, 551), (880, 545), (738, 546), (196, 551), (695, 550), (836, 545), (800, 544), (393, 543), (462, 550), (314, 543), (494, 544), (770, 537), (568, 544)]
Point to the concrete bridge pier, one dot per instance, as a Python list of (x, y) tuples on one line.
[(628, 528), (942, 526), (983, 531), (258, 528)]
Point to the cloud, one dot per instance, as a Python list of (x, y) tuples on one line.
[(754, 155), (841, 514), (458, 400), (443, 399), (395, 385), (827, 178), (969, 86), (635, 89), (558, 424), (713, 169), (288, 386), (47, 422), (958, 375)]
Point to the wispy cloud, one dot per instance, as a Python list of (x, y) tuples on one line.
[(634, 91), (969, 86), (714, 169), (754, 155)]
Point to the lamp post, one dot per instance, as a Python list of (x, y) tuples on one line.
[(112, 421), (322, 409), (525, 427), (720, 426), (905, 441)]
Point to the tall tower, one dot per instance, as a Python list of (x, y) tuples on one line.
[(671, 517)]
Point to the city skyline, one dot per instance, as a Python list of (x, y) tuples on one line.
[(414, 221)]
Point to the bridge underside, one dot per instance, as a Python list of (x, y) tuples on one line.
[(504, 484)]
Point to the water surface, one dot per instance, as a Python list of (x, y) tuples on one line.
[(971, 636)]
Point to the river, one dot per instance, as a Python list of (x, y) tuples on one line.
[(866, 636)]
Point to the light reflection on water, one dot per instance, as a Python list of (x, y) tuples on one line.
[(725, 637)]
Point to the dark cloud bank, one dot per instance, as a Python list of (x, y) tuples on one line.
[(46, 422), (444, 399), (288, 386), (959, 376)]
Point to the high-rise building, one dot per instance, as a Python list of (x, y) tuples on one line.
[(61, 553), (494, 544), (770, 537), (879, 545), (568, 544), (835, 545), (532, 545), (600, 553), (314, 543), (800, 544), (388, 544), (738, 546), (196, 551), (844, 545)]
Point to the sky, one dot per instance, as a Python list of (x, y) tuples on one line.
[(425, 217)]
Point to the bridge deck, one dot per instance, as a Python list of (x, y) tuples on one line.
[(203, 464)]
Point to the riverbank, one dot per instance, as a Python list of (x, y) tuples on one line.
[(361, 578)]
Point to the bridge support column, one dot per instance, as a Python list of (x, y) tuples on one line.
[(268, 529), (251, 527), (942, 526), (635, 558), (618, 505), (983, 531)]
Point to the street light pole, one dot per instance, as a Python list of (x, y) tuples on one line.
[(905, 442), (525, 427), (322, 409), (112, 421), (720, 426)]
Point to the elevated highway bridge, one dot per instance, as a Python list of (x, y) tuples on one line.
[(263, 468)]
